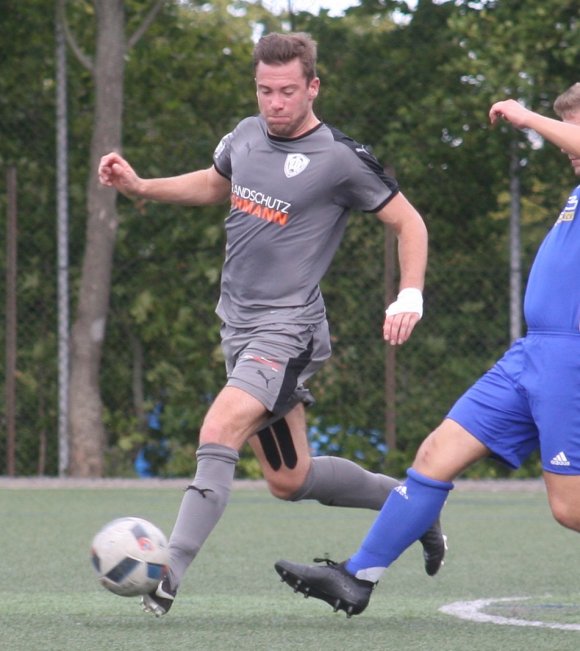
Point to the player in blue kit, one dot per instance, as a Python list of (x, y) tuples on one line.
[(291, 181), (530, 399)]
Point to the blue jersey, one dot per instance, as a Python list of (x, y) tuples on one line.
[(531, 396), (552, 301)]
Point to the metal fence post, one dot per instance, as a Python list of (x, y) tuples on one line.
[(11, 320), (62, 245)]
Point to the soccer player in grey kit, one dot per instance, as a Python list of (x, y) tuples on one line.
[(291, 181)]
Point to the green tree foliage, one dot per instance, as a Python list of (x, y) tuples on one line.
[(414, 82), (528, 51), (388, 83), (418, 85)]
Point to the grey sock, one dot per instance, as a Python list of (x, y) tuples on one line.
[(339, 482), (201, 507)]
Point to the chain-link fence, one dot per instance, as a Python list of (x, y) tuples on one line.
[(158, 378), (162, 363)]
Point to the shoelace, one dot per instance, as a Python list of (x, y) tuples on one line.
[(326, 560), (332, 563)]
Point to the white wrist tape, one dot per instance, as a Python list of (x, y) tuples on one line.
[(408, 300)]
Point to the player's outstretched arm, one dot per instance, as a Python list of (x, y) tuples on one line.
[(194, 188), (404, 314), (562, 134)]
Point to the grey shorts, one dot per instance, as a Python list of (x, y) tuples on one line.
[(271, 362)]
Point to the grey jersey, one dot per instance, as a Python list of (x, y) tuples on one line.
[(289, 207)]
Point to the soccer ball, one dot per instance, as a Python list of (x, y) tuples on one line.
[(130, 556)]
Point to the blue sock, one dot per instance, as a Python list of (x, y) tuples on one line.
[(406, 515)]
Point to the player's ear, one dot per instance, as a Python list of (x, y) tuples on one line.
[(313, 88)]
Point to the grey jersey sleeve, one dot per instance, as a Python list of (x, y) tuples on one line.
[(363, 183), (222, 156)]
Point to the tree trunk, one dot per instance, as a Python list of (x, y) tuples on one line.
[(87, 433)]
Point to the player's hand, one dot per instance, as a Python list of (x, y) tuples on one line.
[(115, 171), (511, 111), (402, 316), (398, 328)]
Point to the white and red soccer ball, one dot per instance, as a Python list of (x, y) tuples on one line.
[(130, 556)]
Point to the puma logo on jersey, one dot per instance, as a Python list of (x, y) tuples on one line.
[(295, 164)]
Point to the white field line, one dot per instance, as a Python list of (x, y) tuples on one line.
[(471, 610)]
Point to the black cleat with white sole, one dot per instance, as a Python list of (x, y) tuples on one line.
[(330, 582)]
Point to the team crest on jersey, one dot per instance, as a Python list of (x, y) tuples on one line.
[(295, 164), (567, 215)]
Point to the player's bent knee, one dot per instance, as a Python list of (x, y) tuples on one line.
[(284, 488), (566, 514)]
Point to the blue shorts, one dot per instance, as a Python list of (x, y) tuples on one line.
[(530, 399)]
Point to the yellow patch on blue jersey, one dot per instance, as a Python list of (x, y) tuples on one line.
[(569, 211)]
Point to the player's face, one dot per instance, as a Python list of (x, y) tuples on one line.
[(573, 118), (285, 98)]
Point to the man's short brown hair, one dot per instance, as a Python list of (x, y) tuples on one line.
[(568, 102), (276, 49)]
